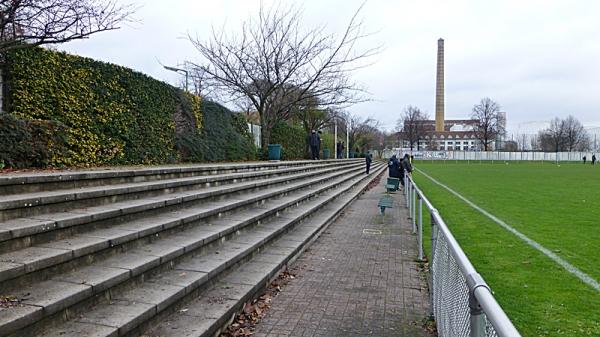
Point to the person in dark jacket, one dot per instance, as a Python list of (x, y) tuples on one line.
[(314, 141), (584, 159), (340, 150), (368, 160), (406, 165), (393, 167), (593, 159)]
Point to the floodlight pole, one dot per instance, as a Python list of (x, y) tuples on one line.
[(180, 70)]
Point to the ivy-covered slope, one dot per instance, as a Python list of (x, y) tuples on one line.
[(111, 114)]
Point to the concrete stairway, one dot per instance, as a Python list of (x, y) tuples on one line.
[(120, 252)]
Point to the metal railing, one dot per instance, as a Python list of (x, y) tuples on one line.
[(462, 303)]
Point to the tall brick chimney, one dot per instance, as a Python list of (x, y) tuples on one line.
[(439, 88)]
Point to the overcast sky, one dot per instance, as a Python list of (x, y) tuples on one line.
[(537, 59)]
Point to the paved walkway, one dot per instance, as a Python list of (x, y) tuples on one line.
[(350, 283)]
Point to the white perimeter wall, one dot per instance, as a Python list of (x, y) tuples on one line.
[(503, 156)]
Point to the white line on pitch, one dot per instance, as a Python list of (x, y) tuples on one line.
[(569, 267)]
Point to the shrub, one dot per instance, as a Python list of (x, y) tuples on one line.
[(30, 143), (225, 135), (293, 140)]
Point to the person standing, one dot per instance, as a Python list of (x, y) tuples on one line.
[(593, 159), (339, 150), (584, 159), (393, 167), (406, 165), (368, 160), (314, 141)]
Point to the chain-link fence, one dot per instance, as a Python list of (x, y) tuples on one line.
[(463, 304)]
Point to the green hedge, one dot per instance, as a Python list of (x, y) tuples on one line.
[(30, 143), (111, 114), (293, 141), (225, 136)]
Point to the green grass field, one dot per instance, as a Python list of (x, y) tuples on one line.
[(556, 206)]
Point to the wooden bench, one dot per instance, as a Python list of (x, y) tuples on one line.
[(386, 201)]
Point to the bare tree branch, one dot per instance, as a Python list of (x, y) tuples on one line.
[(35, 22), (278, 66)]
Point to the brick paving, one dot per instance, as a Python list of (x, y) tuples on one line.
[(349, 283)]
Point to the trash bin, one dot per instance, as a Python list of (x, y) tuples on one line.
[(325, 153), (274, 151), (393, 184)]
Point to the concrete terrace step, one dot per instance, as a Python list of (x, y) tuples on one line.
[(43, 223), (216, 305), (96, 278), (131, 310), (43, 255), (34, 203), (36, 182)]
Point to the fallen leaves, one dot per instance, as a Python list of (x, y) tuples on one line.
[(9, 302), (374, 182), (428, 323), (245, 322)]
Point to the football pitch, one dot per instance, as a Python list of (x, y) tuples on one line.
[(556, 206)]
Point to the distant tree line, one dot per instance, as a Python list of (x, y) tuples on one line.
[(563, 135)]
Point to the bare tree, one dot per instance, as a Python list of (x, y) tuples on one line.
[(362, 133), (552, 139), (199, 83), (576, 138), (564, 135), (35, 22), (489, 123), (412, 125), (277, 64)]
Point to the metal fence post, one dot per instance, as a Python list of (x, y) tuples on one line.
[(477, 320), (420, 229), (406, 188), (414, 210), (434, 235), (409, 199)]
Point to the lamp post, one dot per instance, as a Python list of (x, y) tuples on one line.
[(335, 154), (177, 70)]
